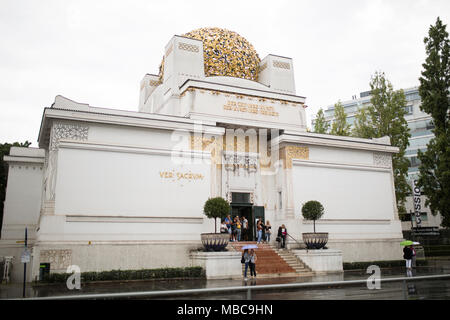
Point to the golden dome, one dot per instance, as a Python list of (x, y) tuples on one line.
[(225, 53)]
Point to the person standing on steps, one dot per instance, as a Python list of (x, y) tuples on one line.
[(245, 228), (238, 228), (259, 228), (282, 233), (268, 231), (252, 263)]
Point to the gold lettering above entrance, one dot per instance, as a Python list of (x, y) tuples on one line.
[(250, 108)]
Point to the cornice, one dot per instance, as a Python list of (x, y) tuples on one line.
[(337, 142)]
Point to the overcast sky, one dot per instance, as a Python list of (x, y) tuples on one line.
[(97, 52)]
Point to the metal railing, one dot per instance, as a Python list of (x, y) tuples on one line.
[(300, 244), (247, 289)]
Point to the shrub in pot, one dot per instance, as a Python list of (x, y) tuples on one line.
[(313, 210), (215, 208)]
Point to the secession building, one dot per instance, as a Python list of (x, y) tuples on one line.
[(111, 189)]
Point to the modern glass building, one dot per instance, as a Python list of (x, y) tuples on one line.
[(420, 125)]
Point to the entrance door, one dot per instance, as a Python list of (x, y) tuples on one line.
[(244, 210), (242, 207)]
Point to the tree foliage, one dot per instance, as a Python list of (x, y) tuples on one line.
[(321, 125), (340, 127), (385, 116), (4, 151), (360, 127), (434, 178), (312, 210), (216, 208)]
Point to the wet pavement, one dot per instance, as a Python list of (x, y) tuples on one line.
[(418, 289)]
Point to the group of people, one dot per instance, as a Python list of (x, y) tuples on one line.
[(263, 231), (237, 228)]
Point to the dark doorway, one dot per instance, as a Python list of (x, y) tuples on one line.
[(244, 210), (242, 207)]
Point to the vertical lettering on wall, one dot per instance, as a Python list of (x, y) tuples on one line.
[(417, 203)]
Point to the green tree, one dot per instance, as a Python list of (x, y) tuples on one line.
[(321, 125), (340, 127), (361, 128), (385, 116), (216, 208), (312, 210), (434, 177), (4, 151)]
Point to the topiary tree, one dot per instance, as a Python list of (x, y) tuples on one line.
[(216, 208), (312, 210)]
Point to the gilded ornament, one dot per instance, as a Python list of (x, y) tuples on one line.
[(225, 53), (293, 152)]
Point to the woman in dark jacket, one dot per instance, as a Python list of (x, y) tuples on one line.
[(282, 233), (407, 255)]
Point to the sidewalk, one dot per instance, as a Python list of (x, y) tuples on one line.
[(14, 290)]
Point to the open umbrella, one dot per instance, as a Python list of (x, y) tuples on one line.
[(406, 243), (415, 243), (250, 246)]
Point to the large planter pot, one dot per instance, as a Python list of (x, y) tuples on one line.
[(215, 241), (315, 240)]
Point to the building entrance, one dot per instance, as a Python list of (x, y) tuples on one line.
[(242, 207)]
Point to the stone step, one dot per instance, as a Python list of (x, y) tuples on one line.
[(272, 261)]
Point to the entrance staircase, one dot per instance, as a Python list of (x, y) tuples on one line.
[(273, 262)]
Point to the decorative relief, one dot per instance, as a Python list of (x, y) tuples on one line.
[(382, 160), (169, 50), (234, 161), (293, 152), (200, 143), (281, 65), (188, 47), (68, 131), (58, 259), (263, 67), (154, 83), (59, 131), (239, 96)]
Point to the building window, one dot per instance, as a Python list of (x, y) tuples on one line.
[(280, 200), (414, 162), (409, 109), (240, 197)]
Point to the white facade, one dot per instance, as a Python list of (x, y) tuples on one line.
[(125, 190)]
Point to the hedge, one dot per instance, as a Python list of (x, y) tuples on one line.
[(143, 274), (381, 264)]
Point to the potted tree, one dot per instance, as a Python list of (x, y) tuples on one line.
[(215, 208), (313, 210)]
